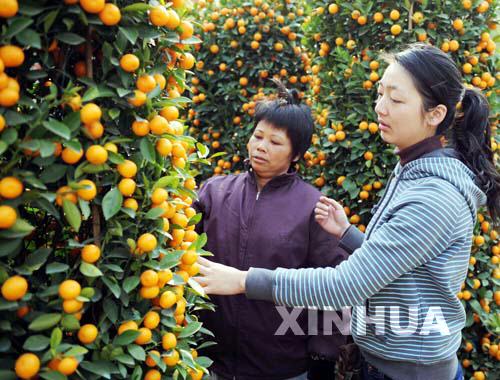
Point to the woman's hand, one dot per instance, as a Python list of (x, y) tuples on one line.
[(331, 216), (220, 279)]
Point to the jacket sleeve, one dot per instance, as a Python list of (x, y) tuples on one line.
[(324, 251), (418, 230), (203, 204)]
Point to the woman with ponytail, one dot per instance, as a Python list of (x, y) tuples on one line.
[(265, 218), (403, 275)]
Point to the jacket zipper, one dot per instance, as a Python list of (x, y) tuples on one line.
[(398, 177)]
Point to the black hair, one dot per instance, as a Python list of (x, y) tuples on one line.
[(466, 123), (287, 113)]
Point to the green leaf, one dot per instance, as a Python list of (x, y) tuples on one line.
[(167, 181), (154, 213), (97, 92), (102, 368), (10, 246), (112, 285), (130, 34), (131, 283), (36, 343), (20, 229), (70, 38), (115, 158), (72, 214), (56, 268), (57, 128), (35, 260), (126, 338), (29, 37), (137, 352), (76, 350), (52, 375), (191, 329), (18, 25), (7, 375), (69, 322), (197, 288), (45, 321), (3, 147), (112, 203), (55, 338), (89, 270), (147, 149), (137, 7)]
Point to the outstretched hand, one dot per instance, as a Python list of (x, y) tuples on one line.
[(220, 279), (331, 216)]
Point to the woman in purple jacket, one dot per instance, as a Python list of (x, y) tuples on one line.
[(265, 218)]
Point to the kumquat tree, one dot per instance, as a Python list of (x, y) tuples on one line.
[(244, 45), (97, 239)]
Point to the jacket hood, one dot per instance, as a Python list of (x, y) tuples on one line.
[(445, 164)]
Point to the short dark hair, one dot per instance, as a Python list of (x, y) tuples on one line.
[(287, 113)]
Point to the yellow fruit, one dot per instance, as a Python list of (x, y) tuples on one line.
[(91, 253), (333, 8), (96, 155), (149, 292), (65, 192), (2, 123), (72, 306), (189, 257), (160, 80), (14, 288), (69, 289), (147, 242), (170, 113), (89, 113), (158, 15), (149, 278), (8, 97), (187, 30), (152, 374), (88, 190), (180, 219), (164, 147), (11, 187), (159, 195), (150, 362), (146, 83), (12, 56), (138, 99), (27, 365), (158, 125), (168, 299), (129, 325), (8, 8), (127, 169), (71, 156), (129, 63), (87, 333), (68, 365), (144, 337), (92, 6), (187, 61), (394, 15), (169, 341), (396, 29), (172, 359), (151, 320), (140, 128), (173, 20), (126, 187), (131, 203), (110, 15)]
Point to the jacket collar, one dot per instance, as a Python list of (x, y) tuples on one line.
[(419, 149), (275, 182)]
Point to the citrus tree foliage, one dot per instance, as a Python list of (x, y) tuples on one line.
[(97, 240), (245, 44)]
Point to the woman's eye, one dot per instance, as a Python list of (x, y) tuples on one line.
[(257, 137), (396, 101), (275, 143)]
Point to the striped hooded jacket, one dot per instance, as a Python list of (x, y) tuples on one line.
[(413, 260)]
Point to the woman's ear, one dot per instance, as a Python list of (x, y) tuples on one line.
[(436, 115)]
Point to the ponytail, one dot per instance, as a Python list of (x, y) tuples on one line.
[(471, 137)]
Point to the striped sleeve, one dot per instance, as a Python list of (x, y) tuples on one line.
[(418, 230)]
